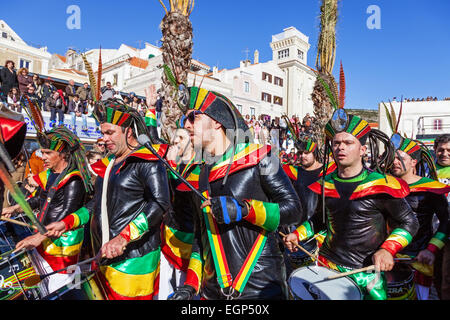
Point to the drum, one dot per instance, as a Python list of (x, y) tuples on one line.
[(79, 290), (306, 284), (15, 267), (300, 259), (400, 283)]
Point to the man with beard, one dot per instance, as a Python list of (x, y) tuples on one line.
[(426, 198), (63, 188), (303, 176), (132, 196), (235, 254), (360, 202)]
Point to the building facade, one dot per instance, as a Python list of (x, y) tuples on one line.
[(422, 120), (12, 47)]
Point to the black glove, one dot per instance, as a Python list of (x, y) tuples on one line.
[(227, 209), (185, 292)]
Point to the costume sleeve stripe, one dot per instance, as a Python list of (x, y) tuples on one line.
[(438, 240), (76, 219), (398, 239), (226, 216), (136, 228), (264, 214), (194, 272), (431, 247), (304, 231), (238, 210)]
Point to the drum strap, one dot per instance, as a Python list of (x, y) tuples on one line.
[(104, 208), (224, 277), (51, 193)]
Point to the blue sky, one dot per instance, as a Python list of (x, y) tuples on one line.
[(408, 56)]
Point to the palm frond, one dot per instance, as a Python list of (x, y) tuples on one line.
[(388, 115)]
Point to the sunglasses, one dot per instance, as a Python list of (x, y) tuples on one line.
[(101, 144), (191, 116)]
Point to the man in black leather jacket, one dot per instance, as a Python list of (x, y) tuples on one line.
[(63, 188), (427, 198), (248, 197), (131, 197), (360, 203)]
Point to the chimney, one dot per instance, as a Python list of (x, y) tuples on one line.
[(256, 57)]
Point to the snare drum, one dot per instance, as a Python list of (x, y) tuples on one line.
[(82, 290), (400, 283), (306, 284), (15, 268)]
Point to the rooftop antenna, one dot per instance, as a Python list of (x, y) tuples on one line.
[(246, 54)]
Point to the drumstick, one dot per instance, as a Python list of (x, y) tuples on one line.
[(305, 251), (340, 275), (18, 223)]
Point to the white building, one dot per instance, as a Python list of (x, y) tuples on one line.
[(422, 120), (12, 47), (290, 52)]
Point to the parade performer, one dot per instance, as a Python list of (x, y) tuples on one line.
[(63, 188), (177, 227), (359, 202), (235, 252), (302, 177), (132, 194), (426, 198), (442, 272)]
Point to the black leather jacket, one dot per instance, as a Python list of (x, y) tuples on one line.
[(140, 186), (268, 279), (67, 199), (357, 228), (424, 205)]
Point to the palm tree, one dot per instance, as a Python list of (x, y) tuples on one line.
[(177, 47), (326, 55)]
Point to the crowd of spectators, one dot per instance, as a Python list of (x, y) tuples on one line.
[(275, 132), (74, 101)]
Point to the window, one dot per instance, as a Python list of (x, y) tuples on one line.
[(115, 79), (283, 53), (239, 107), (266, 97), (25, 64), (267, 77), (4, 35), (300, 54), (80, 67), (246, 86), (437, 124), (278, 100), (278, 81), (252, 112)]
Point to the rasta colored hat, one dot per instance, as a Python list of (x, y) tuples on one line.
[(307, 145), (414, 148), (117, 112), (343, 122), (61, 139), (217, 107)]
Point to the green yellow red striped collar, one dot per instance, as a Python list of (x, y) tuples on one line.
[(42, 178), (292, 171), (247, 155), (142, 153), (375, 183), (429, 185)]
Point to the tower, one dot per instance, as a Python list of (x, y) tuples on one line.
[(290, 52)]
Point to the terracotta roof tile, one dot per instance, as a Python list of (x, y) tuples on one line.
[(63, 59), (138, 62)]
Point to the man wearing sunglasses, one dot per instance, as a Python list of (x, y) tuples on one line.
[(235, 253)]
